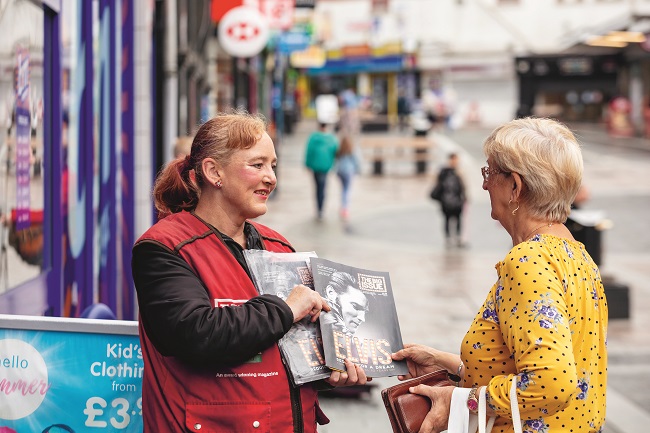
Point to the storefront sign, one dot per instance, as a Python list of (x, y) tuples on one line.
[(353, 65), (77, 374), (23, 139), (575, 66), (243, 32), (288, 42), (361, 50), (218, 8), (312, 57), (279, 13)]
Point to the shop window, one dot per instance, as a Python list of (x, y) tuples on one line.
[(21, 143)]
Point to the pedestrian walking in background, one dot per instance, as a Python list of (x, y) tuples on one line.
[(347, 166), (350, 122), (319, 158), (209, 340), (450, 192), (403, 111), (543, 325)]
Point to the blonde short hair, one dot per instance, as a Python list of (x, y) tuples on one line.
[(547, 156)]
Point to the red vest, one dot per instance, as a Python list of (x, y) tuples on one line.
[(251, 397)]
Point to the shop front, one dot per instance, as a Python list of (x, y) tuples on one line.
[(375, 80), (67, 150), (30, 125), (571, 88), (22, 183)]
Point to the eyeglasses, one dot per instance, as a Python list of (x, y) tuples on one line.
[(487, 172)]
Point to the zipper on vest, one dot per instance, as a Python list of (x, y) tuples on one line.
[(296, 402), (296, 408)]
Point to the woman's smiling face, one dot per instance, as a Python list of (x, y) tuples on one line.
[(249, 178)]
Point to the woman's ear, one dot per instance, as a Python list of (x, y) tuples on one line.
[(517, 186), (211, 170)]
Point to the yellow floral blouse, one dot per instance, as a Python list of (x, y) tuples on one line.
[(544, 323)]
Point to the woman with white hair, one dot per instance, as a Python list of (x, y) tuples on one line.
[(544, 321)]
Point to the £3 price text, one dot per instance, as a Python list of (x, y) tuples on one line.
[(119, 414)]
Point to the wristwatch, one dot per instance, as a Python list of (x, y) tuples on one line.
[(472, 400)]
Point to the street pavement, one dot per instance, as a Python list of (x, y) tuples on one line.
[(395, 227)]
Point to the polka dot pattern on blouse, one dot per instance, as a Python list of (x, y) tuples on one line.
[(544, 323)]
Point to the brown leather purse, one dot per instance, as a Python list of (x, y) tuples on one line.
[(406, 411)]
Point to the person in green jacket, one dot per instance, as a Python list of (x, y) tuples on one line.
[(319, 158)]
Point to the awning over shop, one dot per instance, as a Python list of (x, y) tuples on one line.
[(626, 31), (353, 65)]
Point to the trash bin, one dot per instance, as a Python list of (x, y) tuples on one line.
[(618, 298), (421, 127), (586, 226), (420, 160), (421, 153), (377, 167)]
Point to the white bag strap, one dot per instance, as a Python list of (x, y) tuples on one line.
[(484, 427), (514, 406)]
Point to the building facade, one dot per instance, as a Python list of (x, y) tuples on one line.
[(468, 48), (94, 94)]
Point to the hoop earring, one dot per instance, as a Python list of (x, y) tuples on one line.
[(218, 184), (514, 211)]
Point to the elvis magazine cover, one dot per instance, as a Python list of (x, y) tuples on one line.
[(363, 324), (277, 274)]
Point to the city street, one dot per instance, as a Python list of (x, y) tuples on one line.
[(395, 227), (97, 98)]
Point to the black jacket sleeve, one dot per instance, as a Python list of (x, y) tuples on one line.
[(179, 319)]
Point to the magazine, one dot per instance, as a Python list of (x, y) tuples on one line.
[(363, 325), (301, 347)]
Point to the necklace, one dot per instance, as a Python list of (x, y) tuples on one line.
[(535, 229)]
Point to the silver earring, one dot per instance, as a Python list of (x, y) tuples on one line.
[(218, 184)]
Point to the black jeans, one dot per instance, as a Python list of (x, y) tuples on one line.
[(320, 178), (453, 215)]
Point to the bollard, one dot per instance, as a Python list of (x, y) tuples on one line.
[(421, 153), (377, 167), (618, 299), (420, 160)]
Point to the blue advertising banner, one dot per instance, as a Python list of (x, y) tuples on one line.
[(79, 173), (108, 145), (288, 42), (350, 65), (23, 136), (127, 179), (76, 375)]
